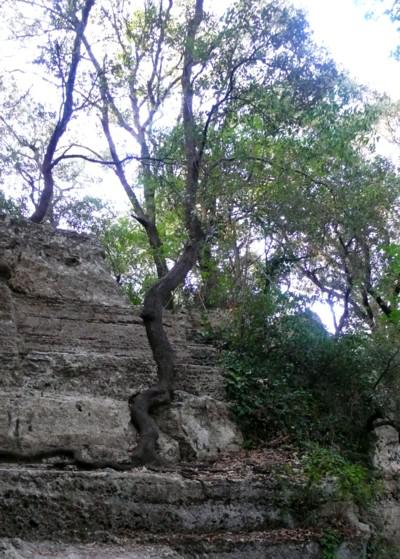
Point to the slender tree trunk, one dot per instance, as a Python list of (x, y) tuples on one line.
[(163, 353), (209, 273), (157, 247), (158, 295), (61, 126)]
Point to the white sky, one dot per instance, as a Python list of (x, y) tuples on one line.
[(361, 46)]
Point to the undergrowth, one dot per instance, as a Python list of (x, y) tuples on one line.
[(287, 376), (288, 379), (352, 481)]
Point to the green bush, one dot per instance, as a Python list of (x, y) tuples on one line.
[(286, 375), (329, 543), (354, 481), (8, 206)]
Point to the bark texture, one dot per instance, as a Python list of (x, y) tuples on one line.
[(158, 295), (164, 355), (49, 161)]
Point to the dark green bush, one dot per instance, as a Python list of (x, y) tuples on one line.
[(288, 376), (354, 482), (10, 207)]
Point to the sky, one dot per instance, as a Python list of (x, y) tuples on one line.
[(361, 46)]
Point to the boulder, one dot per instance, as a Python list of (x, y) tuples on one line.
[(386, 451), (201, 425)]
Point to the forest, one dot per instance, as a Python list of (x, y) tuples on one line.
[(254, 188)]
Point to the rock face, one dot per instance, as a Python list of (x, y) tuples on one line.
[(17, 549), (72, 350), (64, 324), (386, 458), (182, 513), (233, 550)]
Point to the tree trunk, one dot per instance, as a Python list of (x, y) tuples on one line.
[(159, 294), (67, 110), (157, 247), (164, 355), (210, 297)]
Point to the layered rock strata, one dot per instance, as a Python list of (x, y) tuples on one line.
[(72, 350)]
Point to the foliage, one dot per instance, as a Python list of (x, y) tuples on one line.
[(84, 215), (286, 144), (329, 543), (9, 206), (393, 11), (389, 282), (288, 376), (353, 481), (129, 257)]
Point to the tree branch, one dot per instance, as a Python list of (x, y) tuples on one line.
[(61, 126)]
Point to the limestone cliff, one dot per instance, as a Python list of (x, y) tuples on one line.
[(72, 350)]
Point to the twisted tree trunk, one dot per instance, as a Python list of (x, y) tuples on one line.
[(159, 294), (152, 314)]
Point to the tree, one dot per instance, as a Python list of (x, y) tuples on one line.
[(33, 154), (254, 70), (320, 201)]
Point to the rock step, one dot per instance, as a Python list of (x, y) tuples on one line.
[(18, 549), (98, 429), (201, 380), (271, 544), (274, 544), (117, 376), (41, 503), (198, 353), (83, 346), (47, 324)]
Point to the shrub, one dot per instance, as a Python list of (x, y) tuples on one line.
[(354, 481), (288, 376)]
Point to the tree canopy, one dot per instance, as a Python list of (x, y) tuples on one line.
[(249, 161)]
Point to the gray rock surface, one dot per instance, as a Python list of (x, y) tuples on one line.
[(243, 549), (18, 549), (90, 506), (99, 428), (386, 453), (201, 425), (65, 325), (352, 550), (93, 426), (72, 351), (385, 514)]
